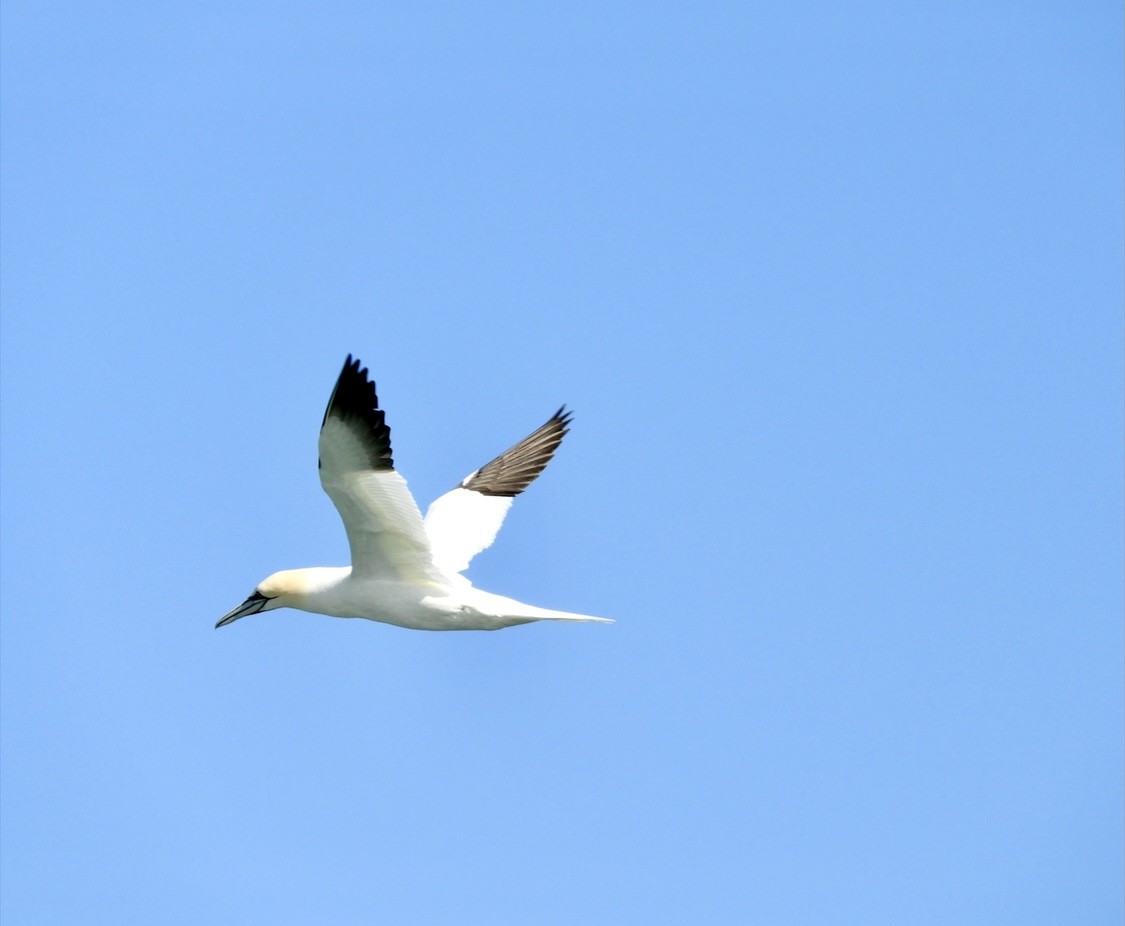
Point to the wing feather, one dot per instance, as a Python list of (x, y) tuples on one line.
[(465, 521), (382, 520)]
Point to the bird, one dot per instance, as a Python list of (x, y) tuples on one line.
[(407, 570)]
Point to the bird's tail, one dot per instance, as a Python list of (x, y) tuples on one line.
[(500, 606), (545, 614)]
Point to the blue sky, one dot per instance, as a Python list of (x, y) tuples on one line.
[(835, 292)]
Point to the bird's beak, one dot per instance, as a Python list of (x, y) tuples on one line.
[(251, 605)]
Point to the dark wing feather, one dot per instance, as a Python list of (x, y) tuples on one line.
[(516, 468), (354, 403)]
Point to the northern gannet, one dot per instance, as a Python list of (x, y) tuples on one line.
[(406, 570)]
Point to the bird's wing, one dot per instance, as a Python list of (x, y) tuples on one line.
[(465, 521), (385, 530)]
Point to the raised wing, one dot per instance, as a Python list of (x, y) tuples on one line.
[(466, 520), (384, 526)]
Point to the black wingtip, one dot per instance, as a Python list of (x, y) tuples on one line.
[(354, 399)]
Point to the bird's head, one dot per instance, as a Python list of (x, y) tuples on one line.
[(277, 591)]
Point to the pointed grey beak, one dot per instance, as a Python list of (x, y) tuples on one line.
[(251, 605)]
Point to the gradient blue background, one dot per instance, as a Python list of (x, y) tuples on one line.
[(836, 294)]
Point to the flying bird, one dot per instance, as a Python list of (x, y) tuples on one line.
[(407, 570)]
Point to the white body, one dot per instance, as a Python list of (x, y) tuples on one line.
[(333, 590)]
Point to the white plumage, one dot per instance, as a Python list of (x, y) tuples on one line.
[(406, 570)]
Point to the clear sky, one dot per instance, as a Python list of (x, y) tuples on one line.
[(835, 292)]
